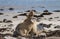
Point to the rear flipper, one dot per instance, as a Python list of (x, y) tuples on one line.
[(15, 34)]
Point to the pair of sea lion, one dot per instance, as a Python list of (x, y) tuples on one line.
[(24, 28)]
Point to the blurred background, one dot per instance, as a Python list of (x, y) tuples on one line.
[(38, 5)]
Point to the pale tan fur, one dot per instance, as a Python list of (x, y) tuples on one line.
[(24, 28)]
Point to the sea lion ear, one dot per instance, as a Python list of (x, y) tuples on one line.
[(30, 14)]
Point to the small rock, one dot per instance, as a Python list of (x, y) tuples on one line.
[(14, 16), (1, 13), (8, 21), (56, 11), (4, 20), (24, 14)]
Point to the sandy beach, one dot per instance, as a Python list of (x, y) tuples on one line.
[(10, 20)]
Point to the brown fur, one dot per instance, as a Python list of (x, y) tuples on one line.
[(24, 28)]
